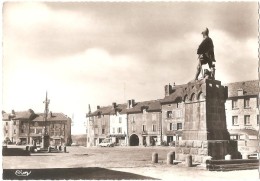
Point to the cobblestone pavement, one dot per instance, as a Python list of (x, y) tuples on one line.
[(135, 160)]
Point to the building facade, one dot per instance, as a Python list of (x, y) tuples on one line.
[(242, 114), (172, 114), (144, 123), (27, 127), (118, 125), (157, 121), (98, 125)]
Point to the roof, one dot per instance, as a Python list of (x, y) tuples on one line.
[(151, 106), (5, 117), (54, 117), (102, 110), (24, 114), (121, 108), (176, 96), (249, 87), (243, 131)]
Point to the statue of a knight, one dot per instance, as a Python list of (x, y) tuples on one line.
[(206, 54)]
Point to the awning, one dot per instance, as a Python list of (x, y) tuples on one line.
[(117, 135), (249, 132)]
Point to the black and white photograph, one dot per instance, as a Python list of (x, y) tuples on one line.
[(124, 90)]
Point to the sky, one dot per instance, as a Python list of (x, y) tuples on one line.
[(98, 53)]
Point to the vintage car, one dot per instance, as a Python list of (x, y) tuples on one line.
[(106, 143)]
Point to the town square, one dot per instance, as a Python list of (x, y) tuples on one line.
[(130, 91)]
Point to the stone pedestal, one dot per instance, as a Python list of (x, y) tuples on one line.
[(204, 131)]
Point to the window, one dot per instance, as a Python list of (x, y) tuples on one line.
[(234, 104), (6, 123), (242, 137), (32, 130), (38, 131), (6, 131), (240, 92), (154, 117), (96, 131), (120, 120), (170, 126), (133, 120), (234, 137), (113, 130), (247, 120), (119, 130), (246, 103), (14, 131), (15, 123), (178, 113), (169, 114), (103, 131), (144, 127), (144, 110), (234, 120), (154, 127), (179, 126), (36, 124), (257, 119), (22, 131)]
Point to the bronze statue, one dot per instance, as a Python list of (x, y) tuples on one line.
[(206, 54)]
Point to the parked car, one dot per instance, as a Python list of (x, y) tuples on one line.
[(74, 144), (21, 143), (106, 143)]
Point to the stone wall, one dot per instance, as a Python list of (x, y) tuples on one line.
[(201, 150)]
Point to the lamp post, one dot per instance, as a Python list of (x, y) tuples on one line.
[(45, 135)]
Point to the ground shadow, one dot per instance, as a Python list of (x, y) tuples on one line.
[(90, 173), (15, 152)]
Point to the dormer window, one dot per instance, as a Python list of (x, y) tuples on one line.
[(144, 110), (240, 92)]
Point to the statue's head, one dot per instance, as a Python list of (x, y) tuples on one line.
[(205, 33)]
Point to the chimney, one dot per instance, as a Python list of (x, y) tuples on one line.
[(129, 104), (133, 102), (13, 112), (168, 89), (98, 107), (114, 105), (50, 113)]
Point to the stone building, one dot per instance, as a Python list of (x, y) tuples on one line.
[(98, 125), (242, 114), (144, 123), (172, 114), (27, 127), (118, 124)]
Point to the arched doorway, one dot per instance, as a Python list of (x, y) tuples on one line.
[(134, 140)]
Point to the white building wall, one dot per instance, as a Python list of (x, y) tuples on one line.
[(118, 121), (241, 111)]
